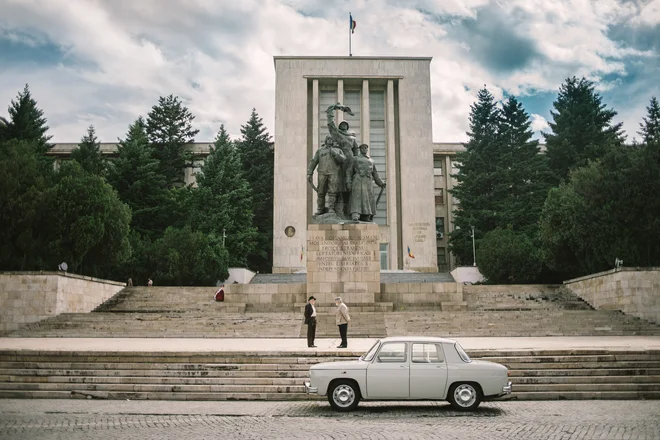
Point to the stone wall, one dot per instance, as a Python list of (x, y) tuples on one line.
[(27, 297), (421, 293), (258, 294), (634, 291)]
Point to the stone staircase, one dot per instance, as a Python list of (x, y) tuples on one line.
[(486, 311), (544, 375), (529, 323)]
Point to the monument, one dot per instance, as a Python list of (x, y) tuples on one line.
[(343, 242), (345, 176)]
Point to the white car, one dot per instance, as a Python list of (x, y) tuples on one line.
[(410, 368)]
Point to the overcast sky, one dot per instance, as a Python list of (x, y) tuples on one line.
[(104, 62)]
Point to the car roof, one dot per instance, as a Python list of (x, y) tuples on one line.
[(417, 339)]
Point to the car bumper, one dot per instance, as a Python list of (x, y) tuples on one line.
[(506, 389), (309, 389)]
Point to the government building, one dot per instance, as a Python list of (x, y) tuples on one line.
[(391, 101)]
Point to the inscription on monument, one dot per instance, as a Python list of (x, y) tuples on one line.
[(419, 231), (342, 254)]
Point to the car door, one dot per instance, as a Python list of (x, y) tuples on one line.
[(428, 371), (388, 374)]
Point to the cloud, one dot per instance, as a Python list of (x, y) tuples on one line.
[(539, 123), (106, 62)]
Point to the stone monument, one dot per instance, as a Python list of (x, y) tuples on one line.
[(343, 243), (345, 174)]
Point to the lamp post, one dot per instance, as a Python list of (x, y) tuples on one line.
[(474, 254)]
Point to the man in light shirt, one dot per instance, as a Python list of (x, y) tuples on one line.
[(310, 320), (342, 319)]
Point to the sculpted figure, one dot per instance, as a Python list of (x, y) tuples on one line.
[(328, 158), (346, 140), (362, 205)]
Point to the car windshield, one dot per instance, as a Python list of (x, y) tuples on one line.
[(372, 351), (462, 353)]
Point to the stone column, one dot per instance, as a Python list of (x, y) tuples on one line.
[(339, 116), (315, 116), (365, 113), (392, 183), (449, 206)]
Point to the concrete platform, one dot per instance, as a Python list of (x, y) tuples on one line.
[(619, 343)]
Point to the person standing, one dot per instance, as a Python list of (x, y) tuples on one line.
[(310, 320), (342, 319)]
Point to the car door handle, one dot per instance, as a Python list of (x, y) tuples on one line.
[(403, 366)]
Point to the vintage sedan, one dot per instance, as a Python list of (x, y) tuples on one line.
[(410, 368)]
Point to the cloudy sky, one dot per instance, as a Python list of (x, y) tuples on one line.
[(104, 62)]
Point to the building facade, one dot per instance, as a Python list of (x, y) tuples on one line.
[(391, 102)]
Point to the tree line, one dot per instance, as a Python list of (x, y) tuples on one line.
[(568, 211), (133, 215)]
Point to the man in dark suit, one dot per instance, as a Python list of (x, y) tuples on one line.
[(310, 320)]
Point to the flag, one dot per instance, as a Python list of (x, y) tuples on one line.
[(351, 24), (410, 254), (302, 251)]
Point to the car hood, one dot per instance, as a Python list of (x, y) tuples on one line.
[(340, 365)]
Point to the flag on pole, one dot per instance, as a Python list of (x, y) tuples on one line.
[(352, 23)]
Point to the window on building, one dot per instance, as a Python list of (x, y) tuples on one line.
[(439, 196), (327, 97), (437, 165), (442, 256), (440, 228), (383, 256)]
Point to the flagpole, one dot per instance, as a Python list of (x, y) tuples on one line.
[(350, 34)]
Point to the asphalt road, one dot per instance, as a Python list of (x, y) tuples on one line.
[(145, 420)]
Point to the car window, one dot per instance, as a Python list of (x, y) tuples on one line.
[(462, 353), (393, 352), (427, 354), (372, 351)]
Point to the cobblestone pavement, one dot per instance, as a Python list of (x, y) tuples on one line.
[(144, 420)]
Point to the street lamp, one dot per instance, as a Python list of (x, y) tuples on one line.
[(474, 254)]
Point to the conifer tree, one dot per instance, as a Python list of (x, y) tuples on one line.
[(528, 174), (582, 129), (650, 127), (256, 152), (26, 122), (169, 129), (480, 189), (136, 177), (223, 202), (88, 154)]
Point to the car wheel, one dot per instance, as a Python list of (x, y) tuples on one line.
[(464, 396), (344, 395)]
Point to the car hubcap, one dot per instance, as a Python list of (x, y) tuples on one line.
[(465, 395), (343, 395)]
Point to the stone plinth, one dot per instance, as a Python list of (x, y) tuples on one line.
[(343, 260)]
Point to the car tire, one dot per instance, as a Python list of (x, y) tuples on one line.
[(464, 396), (344, 395)]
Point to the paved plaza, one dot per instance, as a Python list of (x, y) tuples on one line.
[(144, 420)]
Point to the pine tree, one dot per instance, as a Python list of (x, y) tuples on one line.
[(582, 129), (169, 129), (650, 127), (256, 152), (136, 178), (88, 154), (223, 203), (480, 189), (26, 122), (528, 175)]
